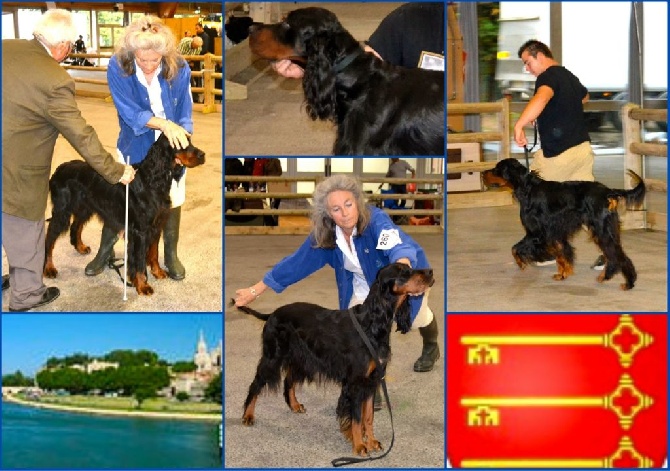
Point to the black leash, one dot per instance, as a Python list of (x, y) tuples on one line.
[(117, 264), (526, 149), (337, 462)]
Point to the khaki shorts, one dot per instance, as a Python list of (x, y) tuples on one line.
[(575, 164)]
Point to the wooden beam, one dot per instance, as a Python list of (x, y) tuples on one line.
[(479, 200)]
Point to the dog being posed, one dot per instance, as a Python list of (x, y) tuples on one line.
[(379, 108), (78, 190), (308, 342), (551, 213)]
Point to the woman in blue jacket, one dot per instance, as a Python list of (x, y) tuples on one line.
[(356, 240), (151, 89)]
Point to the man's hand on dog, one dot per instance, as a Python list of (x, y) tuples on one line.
[(128, 175)]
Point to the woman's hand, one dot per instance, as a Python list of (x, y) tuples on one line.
[(288, 69), (404, 260), (176, 135), (245, 296)]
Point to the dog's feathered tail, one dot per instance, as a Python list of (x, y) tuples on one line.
[(256, 314), (633, 196)]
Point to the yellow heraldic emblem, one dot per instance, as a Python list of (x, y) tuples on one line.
[(626, 401), (626, 340)]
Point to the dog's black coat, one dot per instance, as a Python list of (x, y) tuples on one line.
[(78, 190), (551, 212), (379, 109), (308, 342)]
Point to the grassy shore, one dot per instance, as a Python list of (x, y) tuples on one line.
[(156, 407)]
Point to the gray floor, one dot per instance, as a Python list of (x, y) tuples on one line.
[(200, 242), (281, 438)]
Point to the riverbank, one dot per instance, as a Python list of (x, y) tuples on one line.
[(113, 412)]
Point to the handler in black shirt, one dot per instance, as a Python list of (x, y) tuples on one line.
[(557, 105)]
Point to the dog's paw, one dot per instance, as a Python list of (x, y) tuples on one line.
[(374, 445), (299, 409), (360, 450), (248, 420), (82, 249), (159, 273), (50, 272)]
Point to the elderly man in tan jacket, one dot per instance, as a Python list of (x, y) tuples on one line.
[(38, 104)]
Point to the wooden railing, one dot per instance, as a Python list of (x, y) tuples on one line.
[(207, 72), (635, 151), (437, 197)]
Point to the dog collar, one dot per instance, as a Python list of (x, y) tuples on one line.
[(344, 63)]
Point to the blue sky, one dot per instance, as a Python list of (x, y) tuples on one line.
[(29, 339)]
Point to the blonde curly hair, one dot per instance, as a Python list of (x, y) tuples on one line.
[(322, 224), (149, 33)]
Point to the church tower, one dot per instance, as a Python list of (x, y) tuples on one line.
[(202, 360)]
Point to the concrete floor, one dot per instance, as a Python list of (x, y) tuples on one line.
[(281, 438), (200, 243)]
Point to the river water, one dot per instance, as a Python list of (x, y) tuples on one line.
[(39, 438)]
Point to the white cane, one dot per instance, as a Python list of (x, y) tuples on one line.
[(125, 242)]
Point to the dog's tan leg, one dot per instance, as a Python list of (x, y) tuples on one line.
[(368, 417), (518, 260), (248, 417), (141, 285), (565, 269), (152, 261), (80, 247), (50, 270), (358, 446), (293, 401)]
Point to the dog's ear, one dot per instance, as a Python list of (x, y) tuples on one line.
[(403, 317), (318, 82)]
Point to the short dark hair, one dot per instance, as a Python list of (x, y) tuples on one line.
[(533, 46)]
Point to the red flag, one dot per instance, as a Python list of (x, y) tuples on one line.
[(557, 390)]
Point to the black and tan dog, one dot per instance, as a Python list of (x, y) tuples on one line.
[(551, 212), (308, 342), (378, 108), (78, 190)]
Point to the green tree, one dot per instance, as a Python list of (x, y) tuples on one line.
[(184, 367), (53, 362), (213, 390), (182, 396), (143, 393), (487, 19), (16, 379)]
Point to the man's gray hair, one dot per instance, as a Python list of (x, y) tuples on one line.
[(54, 27)]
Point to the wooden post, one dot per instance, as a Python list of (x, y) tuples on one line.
[(264, 12), (632, 133), (454, 66), (503, 125), (208, 84)]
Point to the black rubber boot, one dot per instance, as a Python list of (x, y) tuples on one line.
[(431, 351), (105, 252), (170, 239)]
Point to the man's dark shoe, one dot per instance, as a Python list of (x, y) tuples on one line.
[(5, 282), (49, 295)]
